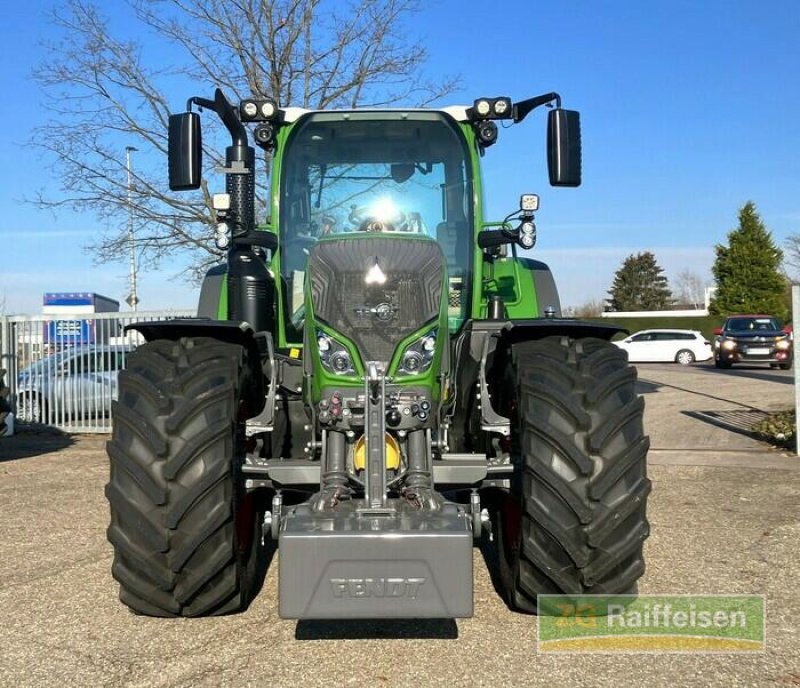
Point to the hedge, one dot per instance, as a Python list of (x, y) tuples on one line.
[(704, 324)]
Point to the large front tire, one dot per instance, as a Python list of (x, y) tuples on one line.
[(575, 520), (185, 535)]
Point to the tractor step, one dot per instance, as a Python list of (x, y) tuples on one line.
[(349, 564)]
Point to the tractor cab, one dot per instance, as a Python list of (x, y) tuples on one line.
[(351, 175)]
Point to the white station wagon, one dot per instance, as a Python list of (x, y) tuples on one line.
[(679, 346)]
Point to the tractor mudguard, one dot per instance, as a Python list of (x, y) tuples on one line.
[(211, 293), (515, 331), (258, 345), (544, 283), (489, 348)]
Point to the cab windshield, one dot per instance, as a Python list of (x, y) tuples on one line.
[(390, 172)]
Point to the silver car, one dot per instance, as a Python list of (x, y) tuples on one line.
[(75, 383)]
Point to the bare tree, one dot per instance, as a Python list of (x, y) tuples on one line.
[(690, 288), (106, 93), (792, 254), (589, 309)]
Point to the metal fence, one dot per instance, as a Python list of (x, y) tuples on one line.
[(62, 370)]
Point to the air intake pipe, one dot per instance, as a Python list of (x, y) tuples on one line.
[(251, 289)]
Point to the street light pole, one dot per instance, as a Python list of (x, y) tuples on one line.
[(133, 298)]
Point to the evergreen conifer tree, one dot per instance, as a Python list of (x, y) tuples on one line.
[(748, 270), (640, 285)]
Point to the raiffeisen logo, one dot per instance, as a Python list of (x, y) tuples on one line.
[(664, 616), (376, 587), (651, 623)]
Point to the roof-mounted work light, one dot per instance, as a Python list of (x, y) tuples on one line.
[(491, 108), (258, 110)]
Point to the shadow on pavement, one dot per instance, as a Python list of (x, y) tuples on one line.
[(647, 386), (266, 556), (491, 558), (359, 629), (761, 374), (33, 440), (738, 420)]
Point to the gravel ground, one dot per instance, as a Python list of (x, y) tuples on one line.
[(717, 527)]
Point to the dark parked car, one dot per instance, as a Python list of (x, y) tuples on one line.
[(753, 339)]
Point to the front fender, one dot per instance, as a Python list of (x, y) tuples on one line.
[(491, 343), (232, 332), (538, 328)]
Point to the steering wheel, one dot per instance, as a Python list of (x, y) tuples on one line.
[(365, 219)]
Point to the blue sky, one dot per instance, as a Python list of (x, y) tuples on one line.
[(689, 109)]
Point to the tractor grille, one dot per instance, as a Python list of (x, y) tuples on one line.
[(376, 290)]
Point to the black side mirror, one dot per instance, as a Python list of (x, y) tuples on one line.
[(564, 147), (185, 151), (402, 172)]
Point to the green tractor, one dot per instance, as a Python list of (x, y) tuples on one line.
[(376, 379)]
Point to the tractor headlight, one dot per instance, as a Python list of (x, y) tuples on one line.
[(418, 356), (482, 107), (487, 133), (258, 110), (222, 236), (529, 203), (268, 109), (728, 345), (527, 235), (265, 135), (502, 107), (333, 355), (412, 362), (491, 108), (341, 363)]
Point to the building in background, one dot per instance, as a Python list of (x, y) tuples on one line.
[(66, 324), (77, 303), (70, 330)]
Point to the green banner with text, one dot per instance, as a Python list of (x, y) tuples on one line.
[(651, 623)]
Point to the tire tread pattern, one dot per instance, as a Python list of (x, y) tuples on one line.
[(584, 484), (175, 479)]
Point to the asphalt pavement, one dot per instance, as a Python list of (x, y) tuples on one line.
[(725, 518)]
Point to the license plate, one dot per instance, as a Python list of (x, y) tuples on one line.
[(758, 352)]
